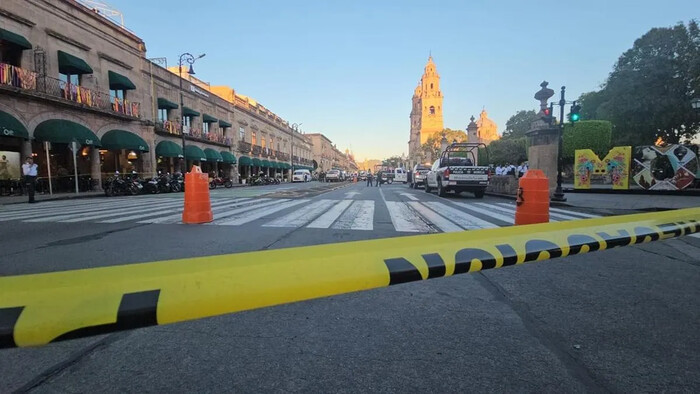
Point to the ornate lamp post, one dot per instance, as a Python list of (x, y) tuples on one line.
[(189, 59)]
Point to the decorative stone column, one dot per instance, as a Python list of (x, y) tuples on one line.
[(543, 141), (473, 136), (95, 168), (26, 149)]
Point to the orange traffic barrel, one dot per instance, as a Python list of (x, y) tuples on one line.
[(532, 205), (197, 202)]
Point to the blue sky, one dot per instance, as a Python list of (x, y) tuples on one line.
[(348, 68)]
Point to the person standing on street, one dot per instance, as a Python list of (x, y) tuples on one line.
[(29, 170), (379, 179), (369, 178)]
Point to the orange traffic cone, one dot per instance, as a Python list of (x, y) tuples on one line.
[(197, 202), (532, 205)]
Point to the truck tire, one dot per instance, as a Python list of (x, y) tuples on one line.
[(479, 193), (440, 190), (427, 188)]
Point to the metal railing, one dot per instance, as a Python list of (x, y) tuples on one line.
[(29, 80), (244, 147)]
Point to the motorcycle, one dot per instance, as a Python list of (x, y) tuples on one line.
[(164, 184), (177, 183), (116, 186), (216, 181)]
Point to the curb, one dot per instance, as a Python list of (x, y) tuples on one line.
[(681, 193), (512, 197)]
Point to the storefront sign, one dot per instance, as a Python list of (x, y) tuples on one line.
[(7, 132), (198, 91)]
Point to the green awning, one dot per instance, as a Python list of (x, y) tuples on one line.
[(65, 131), (273, 164), (212, 155), (208, 118), (11, 127), (14, 38), (166, 104), (119, 82), (228, 157), (256, 162), (245, 161), (223, 123), (285, 166), (168, 149), (71, 65), (187, 111), (121, 139), (193, 152), (265, 163)]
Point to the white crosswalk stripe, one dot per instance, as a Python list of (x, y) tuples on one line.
[(406, 215)]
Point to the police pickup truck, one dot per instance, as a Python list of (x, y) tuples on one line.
[(456, 170)]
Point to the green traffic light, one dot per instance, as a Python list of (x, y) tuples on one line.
[(575, 117)]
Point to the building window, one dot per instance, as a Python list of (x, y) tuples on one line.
[(262, 143), (272, 144), (255, 139), (241, 133), (432, 110), (431, 86), (118, 94), (10, 54), (186, 121), (162, 114), (205, 127), (71, 79)]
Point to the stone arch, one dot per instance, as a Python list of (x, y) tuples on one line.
[(48, 115), (111, 126), (17, 115)]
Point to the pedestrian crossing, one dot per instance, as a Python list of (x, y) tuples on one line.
[(412, 216)]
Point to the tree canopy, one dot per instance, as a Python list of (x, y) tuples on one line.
[(648, 93), (431, 147), (519, 124)]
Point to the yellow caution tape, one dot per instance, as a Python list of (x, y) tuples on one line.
[(41, 308)]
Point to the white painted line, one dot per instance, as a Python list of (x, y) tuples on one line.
[(218, 204), (573, 213), (437, 220), (112, 213), (696, 235), (403, 219), (350, 195), (511, 208), (60, 214), (301, 216), (410, 196), (492, 213), (463, 219), (177, 217), (327, 219), (12, 215), (249, 216), (359, 216)]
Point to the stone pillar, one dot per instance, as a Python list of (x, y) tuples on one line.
[(95, 168), (26, 150), (542, 153)]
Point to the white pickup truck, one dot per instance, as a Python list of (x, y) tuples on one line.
[(456, 170), (400, 175)]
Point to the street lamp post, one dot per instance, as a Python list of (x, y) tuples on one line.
[(559, 193), (189, 59), (295, 128)]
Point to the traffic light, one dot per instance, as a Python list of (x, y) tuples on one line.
[(575, 114), (547, 116)]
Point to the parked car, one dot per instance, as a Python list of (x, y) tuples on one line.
[(456, 171), (301, 176), (333, 176), (400, 175), (418, 177)]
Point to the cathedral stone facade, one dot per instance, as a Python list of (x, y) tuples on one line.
[(426, 113), (487, 129)]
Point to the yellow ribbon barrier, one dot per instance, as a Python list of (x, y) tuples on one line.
[(41, 308)]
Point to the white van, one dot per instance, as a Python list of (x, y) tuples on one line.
[(301, 176), (400, 175)]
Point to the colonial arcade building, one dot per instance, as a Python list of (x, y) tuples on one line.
[(70, 77)]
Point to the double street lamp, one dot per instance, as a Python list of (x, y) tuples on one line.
[(189, 59)]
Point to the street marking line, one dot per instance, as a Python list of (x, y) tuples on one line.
[(467, 221), (67, 213), (251, 215), (511, 210), (42, 204), (359, 216), (410, 196), (67, 208), (573, 213), (301, 216), (403, 219), (433, 217), (217, 205), (37, 309), (330, 216), (112, 213), (494, 214)]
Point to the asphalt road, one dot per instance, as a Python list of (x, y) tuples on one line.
[(619, 320)]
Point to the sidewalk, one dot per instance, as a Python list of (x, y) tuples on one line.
[(631, 201), (47, 197)]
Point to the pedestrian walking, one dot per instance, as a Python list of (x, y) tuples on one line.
[(369, 178), (29, 170), (379, 179)]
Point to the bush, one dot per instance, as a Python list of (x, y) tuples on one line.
[(507, 151), (587, 134)]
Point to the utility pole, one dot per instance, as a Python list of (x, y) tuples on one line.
[(559, 193)]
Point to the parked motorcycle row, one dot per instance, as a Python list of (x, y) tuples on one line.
[(264, 180), (132, 184)]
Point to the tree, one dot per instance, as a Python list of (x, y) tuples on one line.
[(431, 147), (506, 151), (519, 124), (648, 93)]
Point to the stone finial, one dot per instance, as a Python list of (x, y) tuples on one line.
[(543, 95)]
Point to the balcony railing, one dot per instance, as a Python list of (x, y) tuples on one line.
[(29, 80), (256, 149), (244, 147), (168, 127)]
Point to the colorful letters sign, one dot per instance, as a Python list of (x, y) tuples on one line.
[(672, 167), (616, 164)]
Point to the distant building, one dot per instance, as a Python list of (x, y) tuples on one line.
[(426, 112), (486, 129)]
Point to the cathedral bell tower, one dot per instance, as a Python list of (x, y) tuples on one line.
[(426, 110)]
